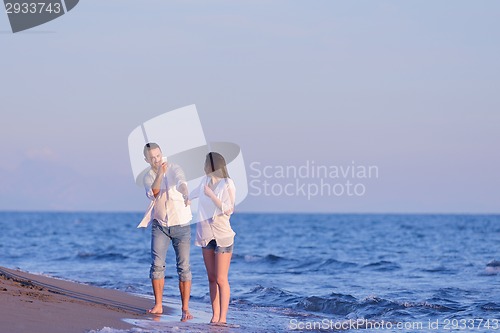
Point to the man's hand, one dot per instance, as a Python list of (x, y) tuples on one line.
[(162, 169)]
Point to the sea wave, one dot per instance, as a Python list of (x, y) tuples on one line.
[(101, 256), (382, 266), (346, 305)]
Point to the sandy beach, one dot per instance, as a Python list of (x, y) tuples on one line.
[(33, 303)]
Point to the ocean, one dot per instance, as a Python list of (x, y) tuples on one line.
[(290, 272)]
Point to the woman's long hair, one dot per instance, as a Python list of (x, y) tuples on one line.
[(215, 163)]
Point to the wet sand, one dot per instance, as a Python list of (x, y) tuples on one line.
[(34, 303)]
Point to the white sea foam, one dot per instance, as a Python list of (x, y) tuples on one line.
[(115, 330)]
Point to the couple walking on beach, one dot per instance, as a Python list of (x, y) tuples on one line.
[(170, 216)]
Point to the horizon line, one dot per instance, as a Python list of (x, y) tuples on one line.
[(55, 211)]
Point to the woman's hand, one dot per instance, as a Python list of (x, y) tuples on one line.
[(209, 193)]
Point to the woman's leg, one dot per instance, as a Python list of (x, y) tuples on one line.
[(209, 259), (222, 261)]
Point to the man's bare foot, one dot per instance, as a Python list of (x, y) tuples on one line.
[(186, 315), (157, 309)]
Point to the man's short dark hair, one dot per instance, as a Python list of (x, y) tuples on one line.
[(150, 146)]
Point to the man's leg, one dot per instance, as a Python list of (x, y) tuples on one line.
[(159, 246), (158, 285), (185, 290), (181, 240)]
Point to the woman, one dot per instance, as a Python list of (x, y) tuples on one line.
[(216, 195)]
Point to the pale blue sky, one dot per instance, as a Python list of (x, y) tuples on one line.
[(409, 86)]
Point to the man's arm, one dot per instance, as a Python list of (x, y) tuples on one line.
[(153, 190), (159, 178), (181, 184), (185, 193), (155, 187), (183, 189)]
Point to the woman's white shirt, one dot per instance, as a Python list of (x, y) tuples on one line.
[(214, 221)]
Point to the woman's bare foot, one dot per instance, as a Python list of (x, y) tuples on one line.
[(186, 315), (157, 309)]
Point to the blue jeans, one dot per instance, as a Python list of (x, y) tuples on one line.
[(180, 236)]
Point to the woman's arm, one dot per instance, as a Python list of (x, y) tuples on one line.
[(229, 198), (210, 193), (226, 203)]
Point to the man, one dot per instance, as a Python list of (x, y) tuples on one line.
[(165, 183)]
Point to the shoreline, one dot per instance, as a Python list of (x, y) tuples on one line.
[(42, 304), (36, 303)]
